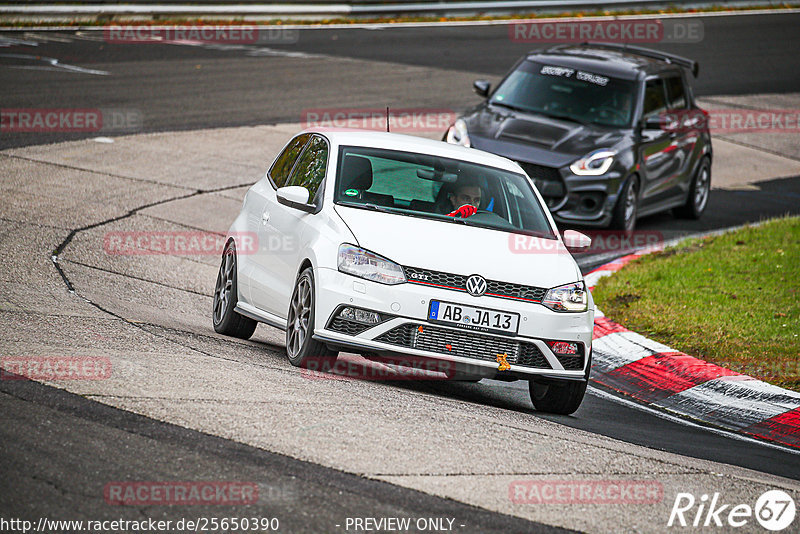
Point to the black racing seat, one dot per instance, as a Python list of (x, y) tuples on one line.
[(357, 174)]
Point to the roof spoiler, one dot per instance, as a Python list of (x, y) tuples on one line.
[(690, 64)]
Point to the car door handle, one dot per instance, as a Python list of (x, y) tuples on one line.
[(265, 218)]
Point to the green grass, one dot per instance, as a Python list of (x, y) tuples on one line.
[(732, 299)]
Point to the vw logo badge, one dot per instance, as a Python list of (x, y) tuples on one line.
[(476, 285)]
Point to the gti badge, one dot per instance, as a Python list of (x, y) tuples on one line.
[(476, 285)]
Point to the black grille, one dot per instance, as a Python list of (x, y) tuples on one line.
[(571, 363), (531, 356), (464, 344), (548, 181), (459, 282), (438, 278), (351, 328), (400, 335), (516, 291)]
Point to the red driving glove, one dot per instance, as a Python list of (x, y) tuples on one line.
[(464, 211)]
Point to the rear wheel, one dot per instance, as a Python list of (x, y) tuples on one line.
[(624, 215), (698, 193), (563, 397), (301, 348), (226, 320)]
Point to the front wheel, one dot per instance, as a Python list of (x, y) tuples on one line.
[(698, 193), (563, 397), (301, 348), (624, 215)]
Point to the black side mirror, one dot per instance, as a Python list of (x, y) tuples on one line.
[(653, 122), (481, 87)]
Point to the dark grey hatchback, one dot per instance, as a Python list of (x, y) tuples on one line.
[(607, 132)]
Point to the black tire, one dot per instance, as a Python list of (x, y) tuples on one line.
[(563, 397), (624, 215), (226, 320), (301, 349), (699, 191)]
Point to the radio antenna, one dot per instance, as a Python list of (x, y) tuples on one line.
[(387, 118)]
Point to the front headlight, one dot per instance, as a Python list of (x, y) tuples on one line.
[(364, 264), (567, 298), (594, 164), (457, 134)]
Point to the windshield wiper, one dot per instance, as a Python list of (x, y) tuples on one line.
[(561, 116), (509, 106), (565, 117), (369, 206), (387, 209)]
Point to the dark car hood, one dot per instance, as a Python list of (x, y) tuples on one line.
[(536, 138)]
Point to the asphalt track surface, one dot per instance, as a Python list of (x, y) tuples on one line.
[(192, 87), (185, 88), (66, 433)]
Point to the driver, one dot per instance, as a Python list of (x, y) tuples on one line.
[(465, 199)]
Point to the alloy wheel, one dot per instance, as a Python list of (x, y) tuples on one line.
[(630, 206), (299, 317), (224, 287), (701, 189)]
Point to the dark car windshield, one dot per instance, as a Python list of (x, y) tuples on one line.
[(568, 93), (418, 185)]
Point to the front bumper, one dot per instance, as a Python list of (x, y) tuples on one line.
[(405, 310), (589, 200)]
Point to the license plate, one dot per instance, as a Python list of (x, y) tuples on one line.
[(472, 318)]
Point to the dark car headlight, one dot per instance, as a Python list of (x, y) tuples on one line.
[(594, 163)]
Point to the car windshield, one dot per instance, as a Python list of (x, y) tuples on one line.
[(568, 93), (419, 185)]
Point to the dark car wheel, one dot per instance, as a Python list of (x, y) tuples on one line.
[(226, 320), (561, 398), (301, 348), (698, 193), (624, 215)]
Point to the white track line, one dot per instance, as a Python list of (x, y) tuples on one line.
[(663, 415)]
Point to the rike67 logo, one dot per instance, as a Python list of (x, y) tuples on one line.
[(774, 510)]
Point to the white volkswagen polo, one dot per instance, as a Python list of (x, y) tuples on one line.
[(399, 247)]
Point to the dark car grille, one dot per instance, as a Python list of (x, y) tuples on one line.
[(548, 181), (458, 282), (464, 344)]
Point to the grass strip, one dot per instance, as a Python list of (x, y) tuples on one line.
[(732, 299)]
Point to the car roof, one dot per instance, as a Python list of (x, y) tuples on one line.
[(410, 143), (617, 63)]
